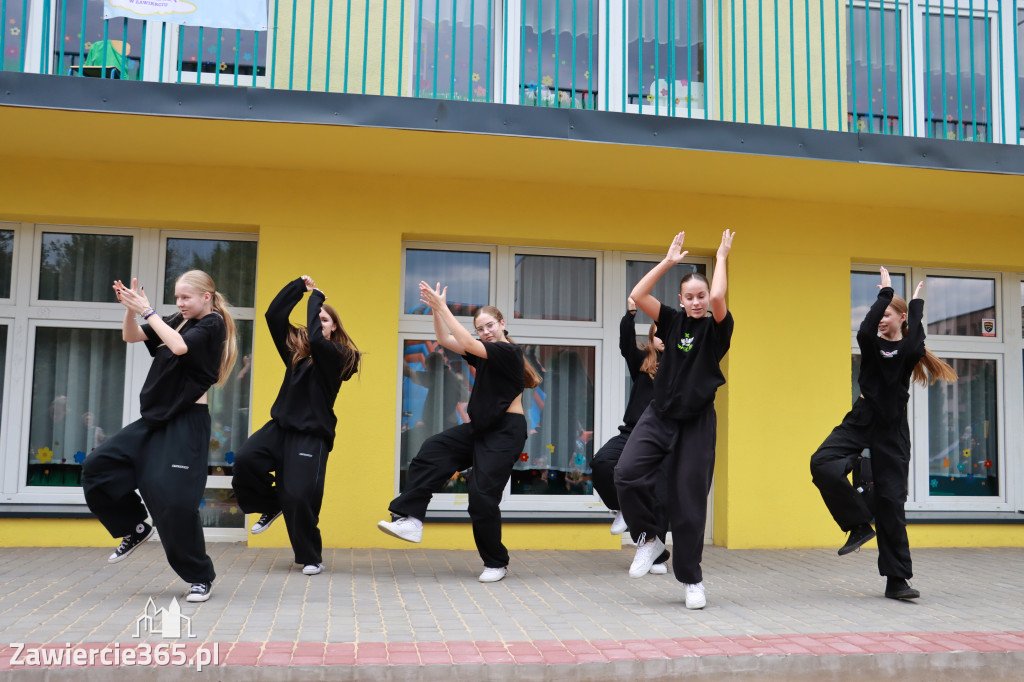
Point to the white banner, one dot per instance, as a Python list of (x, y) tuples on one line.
[(250, 15)]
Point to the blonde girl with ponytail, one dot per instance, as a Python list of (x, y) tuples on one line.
[(164, 454), (891, 340)]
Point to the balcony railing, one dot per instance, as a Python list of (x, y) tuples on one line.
[(949, 69)]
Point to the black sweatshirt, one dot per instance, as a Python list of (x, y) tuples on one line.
[(643, 385), (176, 382), (306, 399), (499, 379), (689, 374), (886, 366)]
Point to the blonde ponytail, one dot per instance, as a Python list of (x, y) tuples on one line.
[(200, 281), (930, 369)]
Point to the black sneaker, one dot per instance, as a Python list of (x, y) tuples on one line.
[(130, 542), (199, 592), (898, 588), (858, 536), (264, 523)]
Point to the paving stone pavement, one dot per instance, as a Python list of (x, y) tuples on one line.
[(421, 614)]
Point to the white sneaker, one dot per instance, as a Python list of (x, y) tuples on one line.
[(263, 523), (619, 525), (312, 569), (659, 569), (695, 598), (404, 528), (492, 575), (646, 553)]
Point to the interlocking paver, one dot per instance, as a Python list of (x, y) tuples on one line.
[(408, 613)]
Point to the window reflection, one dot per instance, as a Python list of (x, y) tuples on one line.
[(560, 419), (219, 509), (81, 267), (467, 274), (956, 76), (435, 391), (864, 292), (959, 306), (6, 262), (452, 59), (229, 406), (963, 427), (873, 88), (231, 264)]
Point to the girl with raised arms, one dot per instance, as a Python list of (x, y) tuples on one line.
[(165, 454), (282, 467), (680, 423), (891, 340), (491, 442)]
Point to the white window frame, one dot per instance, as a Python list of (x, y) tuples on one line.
[(409, 319), (1006, 348), (602, 335), (24, 313)]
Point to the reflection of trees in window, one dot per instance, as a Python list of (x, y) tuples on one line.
[(963, 457), (6, 262), (232, 264), (81, 267)]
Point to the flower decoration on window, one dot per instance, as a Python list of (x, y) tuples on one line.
[(547, 80), (988, 464), (44, 454), (476, 77), (524, 457), (223, 66), (230, 457), (79, 457), (480, 91)]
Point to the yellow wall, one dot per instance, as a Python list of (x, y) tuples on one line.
[(788, 370)]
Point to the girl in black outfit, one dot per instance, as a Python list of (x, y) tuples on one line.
[(680, 423), (295, 442), (891, 340), (642, 364), (491, 442), (165, 454)]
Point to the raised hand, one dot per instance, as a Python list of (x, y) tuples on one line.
[(630, 304), (917, 290), (726, 246), (308, 281), (675, 253), (436, 298), (132, 298), (886, 280)]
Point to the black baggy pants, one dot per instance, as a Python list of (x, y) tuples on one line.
[(889, 442), (602, 473), (492, 454), (296, 486), (687, 448), (168, 464)]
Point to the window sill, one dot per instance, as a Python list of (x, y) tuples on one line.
[(965, 517), (45, 511), (601, 516)]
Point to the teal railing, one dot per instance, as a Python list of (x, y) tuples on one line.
[(947, 69)]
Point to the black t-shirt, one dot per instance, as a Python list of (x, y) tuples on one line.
[(305, 401), (886, 366), (643, 385), (499, 379), (176, 382), (689, 373)]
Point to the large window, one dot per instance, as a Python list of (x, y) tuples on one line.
[(563, 307), (959, 432), (80, 382)]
